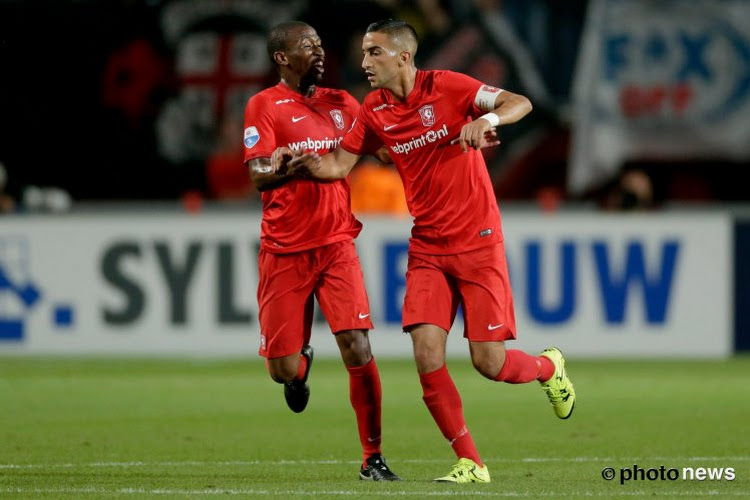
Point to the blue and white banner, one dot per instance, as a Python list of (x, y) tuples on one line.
[(593, 285), (660, 80)]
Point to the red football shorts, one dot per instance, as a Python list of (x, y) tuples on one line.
[(285, 295), (478, 280)]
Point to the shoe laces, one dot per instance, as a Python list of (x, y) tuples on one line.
[(377, 462), (460, 469), (555, 394)]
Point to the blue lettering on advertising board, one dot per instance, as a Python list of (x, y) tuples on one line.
[(18, 294), (394, 282), (566, 305), (656, 288), (655, 279)]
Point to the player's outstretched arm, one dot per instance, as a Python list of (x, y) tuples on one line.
[(335, 165), (264, 176), (331, 166), (509, 108), (280, 168)]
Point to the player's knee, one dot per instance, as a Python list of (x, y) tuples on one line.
[(428, 360), (354, 346)]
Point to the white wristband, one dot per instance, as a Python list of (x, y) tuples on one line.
[(492, 118)]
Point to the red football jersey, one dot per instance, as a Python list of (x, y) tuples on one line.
[(449, 192), (301, 214)]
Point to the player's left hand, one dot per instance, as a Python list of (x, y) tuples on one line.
[(303, 163), (472, 134), (489, 139), (383, 155)]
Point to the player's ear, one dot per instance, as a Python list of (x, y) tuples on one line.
[(280, 58), (404, 57)]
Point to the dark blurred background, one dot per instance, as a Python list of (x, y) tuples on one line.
[(144, 99)]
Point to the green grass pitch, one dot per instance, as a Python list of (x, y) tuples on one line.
[(83, 428)]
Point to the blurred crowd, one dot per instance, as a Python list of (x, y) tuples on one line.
[(144, 99)]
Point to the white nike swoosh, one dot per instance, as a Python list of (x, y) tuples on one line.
[(388, 127), (363, 316), (295, 119), (372, 440), (494, 327)]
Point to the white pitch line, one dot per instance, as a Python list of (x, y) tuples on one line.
[(617, 461), (357, 493)]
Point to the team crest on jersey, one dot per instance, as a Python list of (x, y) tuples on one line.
[(251, 137), (338, 118), (428, 115)]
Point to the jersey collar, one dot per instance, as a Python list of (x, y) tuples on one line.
[(288, 92), (414, 94)]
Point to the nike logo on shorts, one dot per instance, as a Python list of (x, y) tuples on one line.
[(494, 327), (295, 119), (363, 316), (388, 127)]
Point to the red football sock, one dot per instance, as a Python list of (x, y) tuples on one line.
[(520, 368), (444, 402), (301, 368), (365, 393)]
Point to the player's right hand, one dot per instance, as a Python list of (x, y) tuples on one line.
[(279, 159)]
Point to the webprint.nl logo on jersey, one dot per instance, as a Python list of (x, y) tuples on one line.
[(417, 142), (20, 294)]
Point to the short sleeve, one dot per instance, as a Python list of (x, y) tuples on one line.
[(259, 138), (463, 89), (352, 105), (361, 139)]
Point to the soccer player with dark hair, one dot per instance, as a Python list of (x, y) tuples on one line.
[(307, 237), (434, 122)]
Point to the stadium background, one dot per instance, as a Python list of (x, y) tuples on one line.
[(129, 230)]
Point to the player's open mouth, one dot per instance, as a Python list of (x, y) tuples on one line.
[(370, 75), (318, 65)]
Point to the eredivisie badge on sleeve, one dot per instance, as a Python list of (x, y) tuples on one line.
[(251, 137), (338, 118), (427, 115)]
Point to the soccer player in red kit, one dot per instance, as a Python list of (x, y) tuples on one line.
[(307, 237), (433, 124)]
